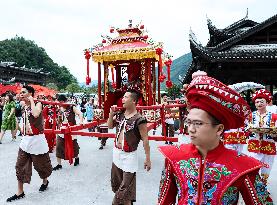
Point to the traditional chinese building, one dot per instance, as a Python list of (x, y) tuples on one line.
[(10, 71), (244, 51)]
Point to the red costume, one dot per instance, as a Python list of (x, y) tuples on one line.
[(48, 113), (66, 118), (262, 146), (216, 180), (222, 174), (235, 139)]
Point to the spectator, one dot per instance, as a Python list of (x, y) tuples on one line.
[(9, 121), (89, 111), (82, 106)]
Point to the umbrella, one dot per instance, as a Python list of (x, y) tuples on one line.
[(15, 88), (39, 90), (240, 87)]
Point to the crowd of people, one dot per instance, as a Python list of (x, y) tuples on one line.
[(231, 149)]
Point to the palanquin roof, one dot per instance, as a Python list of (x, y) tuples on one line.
[(131, 44)]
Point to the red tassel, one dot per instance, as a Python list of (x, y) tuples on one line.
[(168, 64), (169, 83), (68, 145), (88, 80), (159, 51), (87, 57), (113, 83)]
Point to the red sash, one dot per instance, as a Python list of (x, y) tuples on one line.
[(68, 143), (263, 147)]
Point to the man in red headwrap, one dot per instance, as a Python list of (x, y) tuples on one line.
[(262, 145), (204, 171)]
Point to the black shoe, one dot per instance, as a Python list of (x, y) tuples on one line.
[(57, 167), (20, 134), (43, 187), (76, 162), (101, 147), (166, 142), (0, 142), (16, 197)]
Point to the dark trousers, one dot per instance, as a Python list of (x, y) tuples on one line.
[(123, 185), (41, 163)]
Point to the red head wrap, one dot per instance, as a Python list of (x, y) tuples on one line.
[(219, 100), (262, 93)]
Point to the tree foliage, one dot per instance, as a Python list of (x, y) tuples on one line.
[(52, 86), (73, 88), (26, 52), (175, 91)]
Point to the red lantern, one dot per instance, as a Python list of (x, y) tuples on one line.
[(114, 85), (162, 78), (141, 27), (87, 57), (168, 64), (159, 51), (88, 80), (104, 41), (168, 83)]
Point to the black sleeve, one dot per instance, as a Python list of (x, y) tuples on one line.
[(141, 120)]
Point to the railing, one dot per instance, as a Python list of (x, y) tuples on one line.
[(155, 115)]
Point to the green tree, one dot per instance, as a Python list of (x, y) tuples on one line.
[(73, 88), (52, 86), (27, 53), (175, 91)]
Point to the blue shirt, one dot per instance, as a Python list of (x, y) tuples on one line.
[(89, 111)]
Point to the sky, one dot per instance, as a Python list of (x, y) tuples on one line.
[(64, 28)]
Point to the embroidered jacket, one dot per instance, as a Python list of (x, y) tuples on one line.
[(32, 125), (67, 115), (131, 132), (261, 143), (48, 115), (217, 180), (235, 136)]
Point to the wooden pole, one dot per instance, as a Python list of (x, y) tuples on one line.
[(154, 81), (99, 86), (146, 81), (159, 84), (118, 76), (106, 75), (150, 95)]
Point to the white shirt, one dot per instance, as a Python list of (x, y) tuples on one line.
[(36, 144), (169, 121), (272, 108), (126, 161)]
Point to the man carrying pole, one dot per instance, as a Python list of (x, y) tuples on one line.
[(131, 128)]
